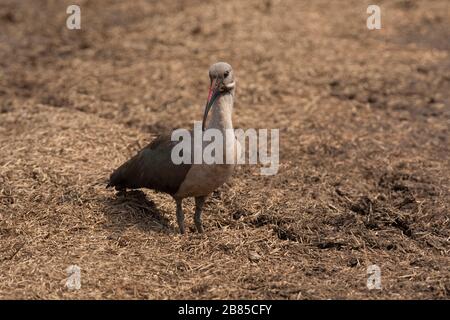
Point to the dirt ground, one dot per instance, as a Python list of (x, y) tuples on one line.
[(364, 174)]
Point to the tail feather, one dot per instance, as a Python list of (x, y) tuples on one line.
[(117, 178)]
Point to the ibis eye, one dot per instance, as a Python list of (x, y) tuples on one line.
[(226, 74)]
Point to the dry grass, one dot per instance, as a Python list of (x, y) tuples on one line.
[(364, 122)]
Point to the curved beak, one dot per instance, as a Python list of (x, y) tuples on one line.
[(214, 92)]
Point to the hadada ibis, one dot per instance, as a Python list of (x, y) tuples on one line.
[(153, 168)]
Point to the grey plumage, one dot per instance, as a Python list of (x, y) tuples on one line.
[(151, 168)]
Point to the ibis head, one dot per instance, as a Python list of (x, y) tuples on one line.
[(221, 81)]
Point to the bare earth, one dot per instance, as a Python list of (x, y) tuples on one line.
[(364, 121)]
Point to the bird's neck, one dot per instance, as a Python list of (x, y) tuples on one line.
[(221, 113)]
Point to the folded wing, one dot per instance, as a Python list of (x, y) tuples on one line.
[(151, 168)]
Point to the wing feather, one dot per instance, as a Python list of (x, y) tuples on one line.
[(151, 168)]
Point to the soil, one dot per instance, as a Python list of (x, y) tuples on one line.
[(364, 175)]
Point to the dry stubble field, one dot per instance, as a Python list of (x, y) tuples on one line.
[(364, 135)]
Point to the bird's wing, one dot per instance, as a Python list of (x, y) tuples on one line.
[(151, 168)]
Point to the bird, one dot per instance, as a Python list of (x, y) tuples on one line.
[(153, 167)]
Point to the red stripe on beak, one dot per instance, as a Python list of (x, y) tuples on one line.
[(211, 89), (212, 96)]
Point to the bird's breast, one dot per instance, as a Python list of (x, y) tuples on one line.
[(203, 179)]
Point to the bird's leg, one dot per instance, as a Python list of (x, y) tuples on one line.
[(180, 215), (199, 201)]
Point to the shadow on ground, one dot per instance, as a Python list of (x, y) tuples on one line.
[(128, 209)]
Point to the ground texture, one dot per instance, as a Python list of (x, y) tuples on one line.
[(364, 122)]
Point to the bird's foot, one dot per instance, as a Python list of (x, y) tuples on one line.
[(199, 226)]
